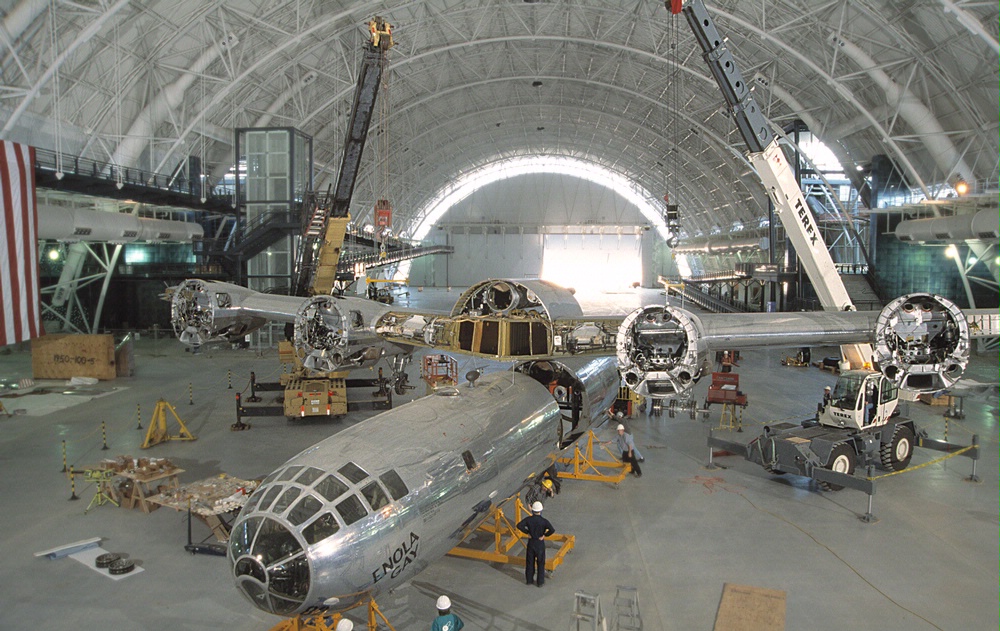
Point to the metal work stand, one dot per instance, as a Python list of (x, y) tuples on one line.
[(587, 615), (586, 467), (627, 616)]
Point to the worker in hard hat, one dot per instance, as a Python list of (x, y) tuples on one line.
[(344, 625), (537, 528), (446, 621), (542, 488), (626, 444)]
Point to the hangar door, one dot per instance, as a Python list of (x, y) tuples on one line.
[(588, 262)]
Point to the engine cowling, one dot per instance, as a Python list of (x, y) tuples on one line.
[(320, 334), (191, 312), (334, 333), (203, 311), (922, 342), (660, 351)]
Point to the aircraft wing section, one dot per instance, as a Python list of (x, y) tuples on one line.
[(205, 311), (330, 332), (921, 341)]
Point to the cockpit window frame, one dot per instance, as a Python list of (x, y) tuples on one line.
[(373, 492), (394, 484), (343, 488), (314, 524), (306, 512), (355, 516), (353, 473), (307, 477), (286, 499), (270, 496), (288, 474)]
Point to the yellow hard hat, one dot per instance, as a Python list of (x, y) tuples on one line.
[(547, 483)]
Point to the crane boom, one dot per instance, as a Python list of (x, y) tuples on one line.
[(773, 169), (325, 222)]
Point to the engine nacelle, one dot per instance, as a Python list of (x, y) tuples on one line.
[(333, 333), (922, 342), (320, 334), (202, 312), (660, 351)]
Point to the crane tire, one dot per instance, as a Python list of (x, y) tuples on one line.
[(842, 461), (897, 452)]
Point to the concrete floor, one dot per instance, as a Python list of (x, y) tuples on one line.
[(678, 534)]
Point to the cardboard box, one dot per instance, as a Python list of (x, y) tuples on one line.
[(67, 356)]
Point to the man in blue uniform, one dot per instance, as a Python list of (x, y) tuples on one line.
[(537, 528), (446, 621)]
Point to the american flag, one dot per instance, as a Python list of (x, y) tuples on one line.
[(20, 317)]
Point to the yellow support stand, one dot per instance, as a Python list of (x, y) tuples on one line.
[(731, 418), (585, 467), (158, 426), (506, 536), (102, 480), (322, 621)]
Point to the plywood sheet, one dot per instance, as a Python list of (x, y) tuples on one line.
[(749, 608), (67, 356)]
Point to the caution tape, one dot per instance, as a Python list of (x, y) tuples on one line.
[(926, 464)]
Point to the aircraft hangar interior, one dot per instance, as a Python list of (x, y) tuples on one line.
[(315, 311)]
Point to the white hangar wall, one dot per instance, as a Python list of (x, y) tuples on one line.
[(505, 228)]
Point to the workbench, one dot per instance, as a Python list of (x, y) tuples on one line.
[(143, 487), (209, 500)]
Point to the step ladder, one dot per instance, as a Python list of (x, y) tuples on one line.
[(627, 616), (587, 615)]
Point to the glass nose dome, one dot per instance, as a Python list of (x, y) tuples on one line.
[(269, 564)]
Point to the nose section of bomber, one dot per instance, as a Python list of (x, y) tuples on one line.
[(269, 564)]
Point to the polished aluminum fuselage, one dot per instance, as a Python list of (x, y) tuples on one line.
[(509, 424)]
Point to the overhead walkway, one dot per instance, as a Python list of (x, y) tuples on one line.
[(102, 179)]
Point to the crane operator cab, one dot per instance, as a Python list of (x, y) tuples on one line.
[(860, 399)]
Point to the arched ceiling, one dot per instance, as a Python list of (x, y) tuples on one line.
[(475, 82)]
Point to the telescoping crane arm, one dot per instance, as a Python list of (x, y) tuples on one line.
[(325, 228), (773, 168)]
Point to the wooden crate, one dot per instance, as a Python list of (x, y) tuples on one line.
[(930, 399), (67, 356)]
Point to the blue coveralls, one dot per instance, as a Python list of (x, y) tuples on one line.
[(535, 527)]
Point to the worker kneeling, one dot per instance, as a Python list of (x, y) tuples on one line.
[(537, 528)]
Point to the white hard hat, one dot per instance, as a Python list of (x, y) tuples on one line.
[(536, 507), (827, 388), (344, 625), (443, 603), (620, 426)]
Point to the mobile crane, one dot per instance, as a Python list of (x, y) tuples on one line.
[(773, 168), (860, 424)]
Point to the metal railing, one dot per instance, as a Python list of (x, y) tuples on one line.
[(57, 163)]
